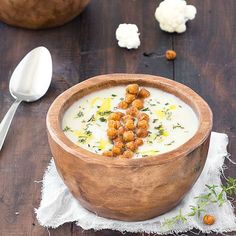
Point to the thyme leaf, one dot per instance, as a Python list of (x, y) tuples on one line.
[(104, 113), (145, 109), (92, 118), (178, 125), (79, 114), (102, 119), (67, 128)]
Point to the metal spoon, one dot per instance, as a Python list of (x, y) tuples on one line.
[(29, 82)]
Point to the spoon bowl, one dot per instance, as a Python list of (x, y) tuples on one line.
[(32, 77), (29, 82)]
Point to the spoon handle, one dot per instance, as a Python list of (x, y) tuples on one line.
[(5, 124)]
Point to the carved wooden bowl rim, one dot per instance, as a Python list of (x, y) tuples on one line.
[(63, 101)]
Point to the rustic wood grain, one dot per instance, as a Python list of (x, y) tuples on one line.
[(86, 47)]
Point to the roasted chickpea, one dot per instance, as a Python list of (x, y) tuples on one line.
[(116, 151), (132, 88), (128, 154), (129, 124), (209, 219), (114, 124), (133, 111), (121, 114), (170, 55), (143, 93), (138, 142), (108, 153), (121, 130), (119, 144), (128, 136), (127, 117), (138, 103), (123, 105), (143, 116), (112, 133), (131, 146), (114, 116), (118, 139), (142, 124), (142, 133), (129, 98)]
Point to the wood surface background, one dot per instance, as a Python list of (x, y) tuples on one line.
[(87, 47)]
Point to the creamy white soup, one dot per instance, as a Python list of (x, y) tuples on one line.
[(171, 121)]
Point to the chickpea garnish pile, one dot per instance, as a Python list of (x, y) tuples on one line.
[(126, 130)]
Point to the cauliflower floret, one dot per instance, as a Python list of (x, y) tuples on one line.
[(173, 14), (128, 36)]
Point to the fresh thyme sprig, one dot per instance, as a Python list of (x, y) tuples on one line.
[(170, 223), (230, 187), (214, 195)]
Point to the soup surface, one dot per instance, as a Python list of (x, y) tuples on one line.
[(171, 121)]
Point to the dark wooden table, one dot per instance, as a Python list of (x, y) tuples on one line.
[(86, 47)]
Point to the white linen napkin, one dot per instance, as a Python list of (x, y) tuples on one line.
[(58, 206)]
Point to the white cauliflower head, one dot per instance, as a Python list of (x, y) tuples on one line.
[(172, 15), (128, 36)]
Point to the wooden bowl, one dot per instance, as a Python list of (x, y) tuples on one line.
[(38, 14), (129, 189)]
